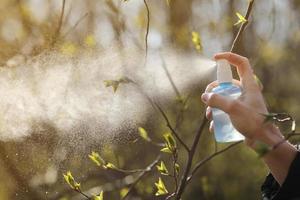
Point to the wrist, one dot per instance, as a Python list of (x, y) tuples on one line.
[(270, 135)]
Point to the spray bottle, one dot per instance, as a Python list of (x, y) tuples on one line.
[(223, 129)]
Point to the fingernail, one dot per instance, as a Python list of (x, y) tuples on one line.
[(204, 97)]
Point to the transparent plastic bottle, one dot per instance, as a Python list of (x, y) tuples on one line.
[(223, 129)]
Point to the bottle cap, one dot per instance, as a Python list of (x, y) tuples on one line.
[(224, 73)]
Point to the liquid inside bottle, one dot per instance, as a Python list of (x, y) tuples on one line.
[(223, 129)]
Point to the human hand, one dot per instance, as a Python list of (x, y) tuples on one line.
[(246, 112)]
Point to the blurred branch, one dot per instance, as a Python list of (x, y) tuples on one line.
[(76, 24), (22, 183), (178, 95), (60, 22), (147, 29)]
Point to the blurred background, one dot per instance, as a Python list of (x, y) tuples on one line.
[(32, 167)]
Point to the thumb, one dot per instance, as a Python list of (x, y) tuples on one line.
[(218, 101)]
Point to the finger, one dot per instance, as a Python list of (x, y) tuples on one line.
[(211, 126), (211, 86), (243, 67), (208, 113), (217, 101)]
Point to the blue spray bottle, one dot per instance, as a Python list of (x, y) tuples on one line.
[(223, 129)]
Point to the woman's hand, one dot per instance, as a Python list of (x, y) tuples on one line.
[(246, 112)]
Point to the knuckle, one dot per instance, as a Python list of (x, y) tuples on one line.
[(212, 98), (245, 61)]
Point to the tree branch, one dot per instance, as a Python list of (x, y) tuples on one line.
[(174, 132), (141, 175), (208, 158), (184, 178), (60, 22), (147, 29), (76, 24), (182, 184), (243, 26)]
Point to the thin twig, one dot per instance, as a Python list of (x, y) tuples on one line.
[(164, 66), (208, 158), (174, 132), (83, 194), (243, 26), (60, 22), (147, 29), (187, 169), (155, 105), (141, 175), (75, 25)]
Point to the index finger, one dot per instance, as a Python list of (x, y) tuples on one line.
[(243, 67)]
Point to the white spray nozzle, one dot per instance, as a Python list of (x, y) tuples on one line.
[(224, 73)]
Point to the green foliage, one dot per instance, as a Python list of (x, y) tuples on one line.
[(97, 159), (161, 188), (177, 168), (196, 39), (143, 133), (241, 19), (170, 143), (71, 181), (116, 83), (162, 169), (124, 192), (109, 166), (98, 197), (166, 150)]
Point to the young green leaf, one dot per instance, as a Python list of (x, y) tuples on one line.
[(177, 168), (123, 192), (166, 150), (196, 39), (143, 133), (270, 117), (98, 197), (109, 166), (96, 158), (241, 19), (71, 181), (162, 168), (112, 83), (161, 188), (115, 83), (170, 141)]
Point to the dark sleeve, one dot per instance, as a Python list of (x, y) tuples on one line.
[(290, 189)]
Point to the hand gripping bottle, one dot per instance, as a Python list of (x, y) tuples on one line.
[(223, 129)]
